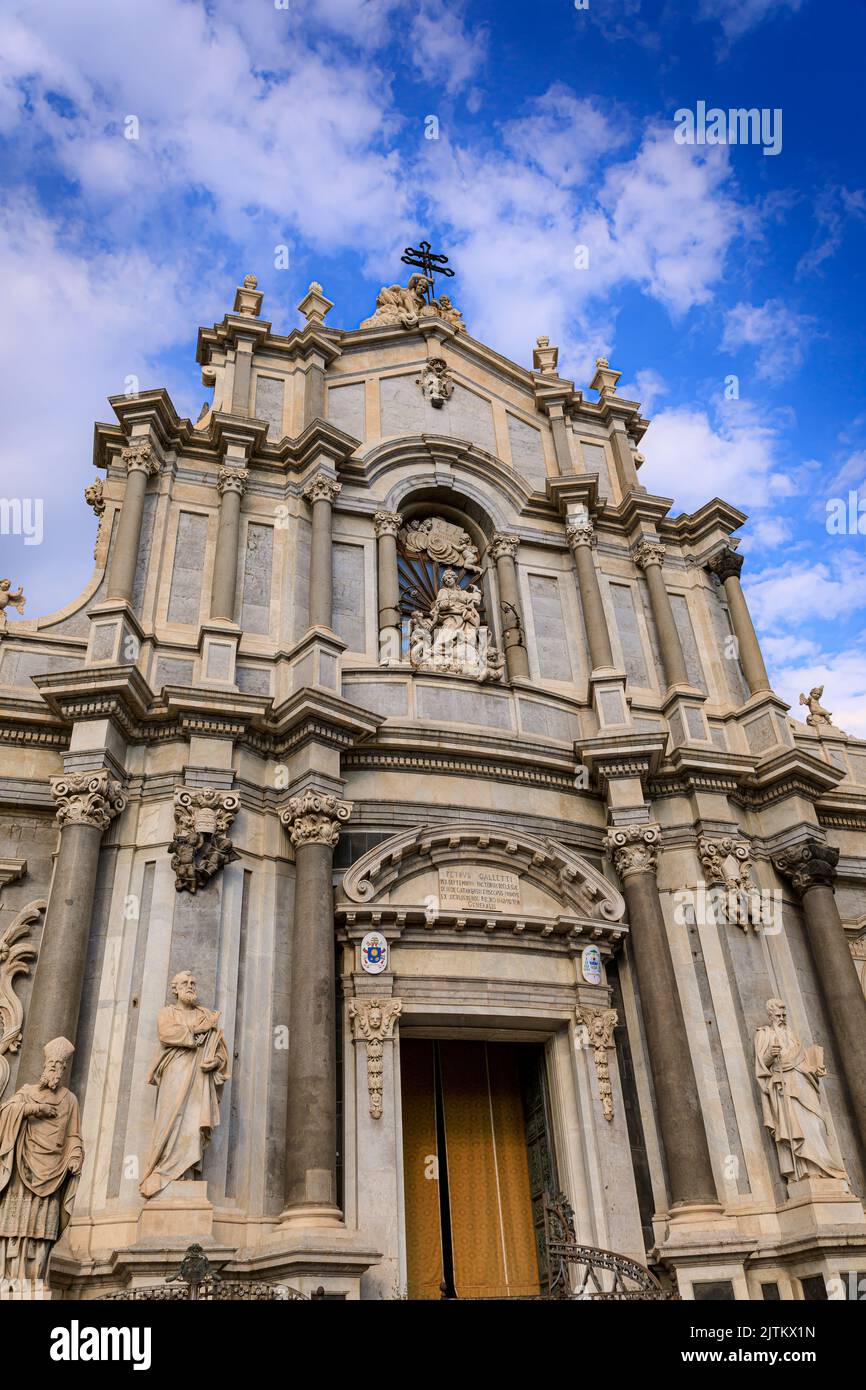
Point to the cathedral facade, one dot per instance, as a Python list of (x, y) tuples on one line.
[(404, 832)]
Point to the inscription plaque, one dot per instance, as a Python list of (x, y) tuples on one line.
[(478, 890)]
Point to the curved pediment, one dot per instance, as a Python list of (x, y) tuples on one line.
[(487, 870)]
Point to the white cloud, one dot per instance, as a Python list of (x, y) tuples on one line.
[(445, 51), (796, 593), (738, 17), (692, 457), (777, 333), (648, 385)]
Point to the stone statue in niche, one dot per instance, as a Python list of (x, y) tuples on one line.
[(451, 638), (789, 1076), (189, 1072), (817, 715), (201, 844), (41, 1154), (435, 382)]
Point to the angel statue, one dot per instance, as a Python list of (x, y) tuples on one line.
[(8, 599), (817, 713)]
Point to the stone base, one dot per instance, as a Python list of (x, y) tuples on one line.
[(181, 1212), (310, 1258), (814, 1204), (312, 1215), (702, 1246)]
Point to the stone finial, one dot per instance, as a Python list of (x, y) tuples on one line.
[(810, 864), (633, 848), (600, 1024), (314, 306), (248, 299), (314, 818), (232, 480), (373, 1023), (322, 489), (605, 379), (87, 798), (387, 523), (545, 357), (140, 457), (648, 552), (725, 564), (501, 544), (201, 844)]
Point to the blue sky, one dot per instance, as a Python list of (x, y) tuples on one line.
[(304, 125)]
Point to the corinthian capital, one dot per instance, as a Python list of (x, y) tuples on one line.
[(322, 489), (808, 864), (231, 479), (648, 552), (503, 544), (633, 848), (313, 818), (579, 533), (387, 523), (87, 798), (726, 564), (140, 458)]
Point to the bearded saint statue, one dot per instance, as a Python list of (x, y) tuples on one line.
[(789, 1075)]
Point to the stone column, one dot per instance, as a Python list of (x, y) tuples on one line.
[(727, 565), (579, 535), (811, 867), (649, 555), (313, 822), (503, 550), (321, 494), (141, 463), (86, 803), (231, 483), (386, 526), (634, 851)]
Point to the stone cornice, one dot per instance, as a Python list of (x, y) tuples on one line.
[(299, 344), (315, 714), (714, 519), (613, 756)]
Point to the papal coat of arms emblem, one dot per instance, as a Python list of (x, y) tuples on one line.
[(374, 953)]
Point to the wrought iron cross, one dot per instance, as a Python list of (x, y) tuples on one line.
[(429, 262)]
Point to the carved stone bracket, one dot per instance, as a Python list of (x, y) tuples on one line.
[(140, 458), (87, 798), (808, 864), (373, 1023), (648, 552), (201, 844), (16, 954), (94, 496), (322, 489), (633, 848), (314, 818), (599, 1024), (387, 523), (727, 863)]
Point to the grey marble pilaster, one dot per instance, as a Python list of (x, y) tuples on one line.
[(727, 565), (141, 463), (579, 535), (503, 549), (321, 494), (634, 851), (86, 804)]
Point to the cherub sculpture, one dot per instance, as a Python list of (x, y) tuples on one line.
[(817, 713)]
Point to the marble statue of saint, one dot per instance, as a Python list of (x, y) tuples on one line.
[(399, 305), (456, 609), (189, 1072), (40, 1159), (789, 1076)]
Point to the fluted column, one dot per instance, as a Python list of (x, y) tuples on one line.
[(321, 494), (503, 550), (141, 463), (579, 535), (86, 803), (811, 868), (387, 526), (649, 556), (634, 851), (727, 565), (231, 483), (313, 821)]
